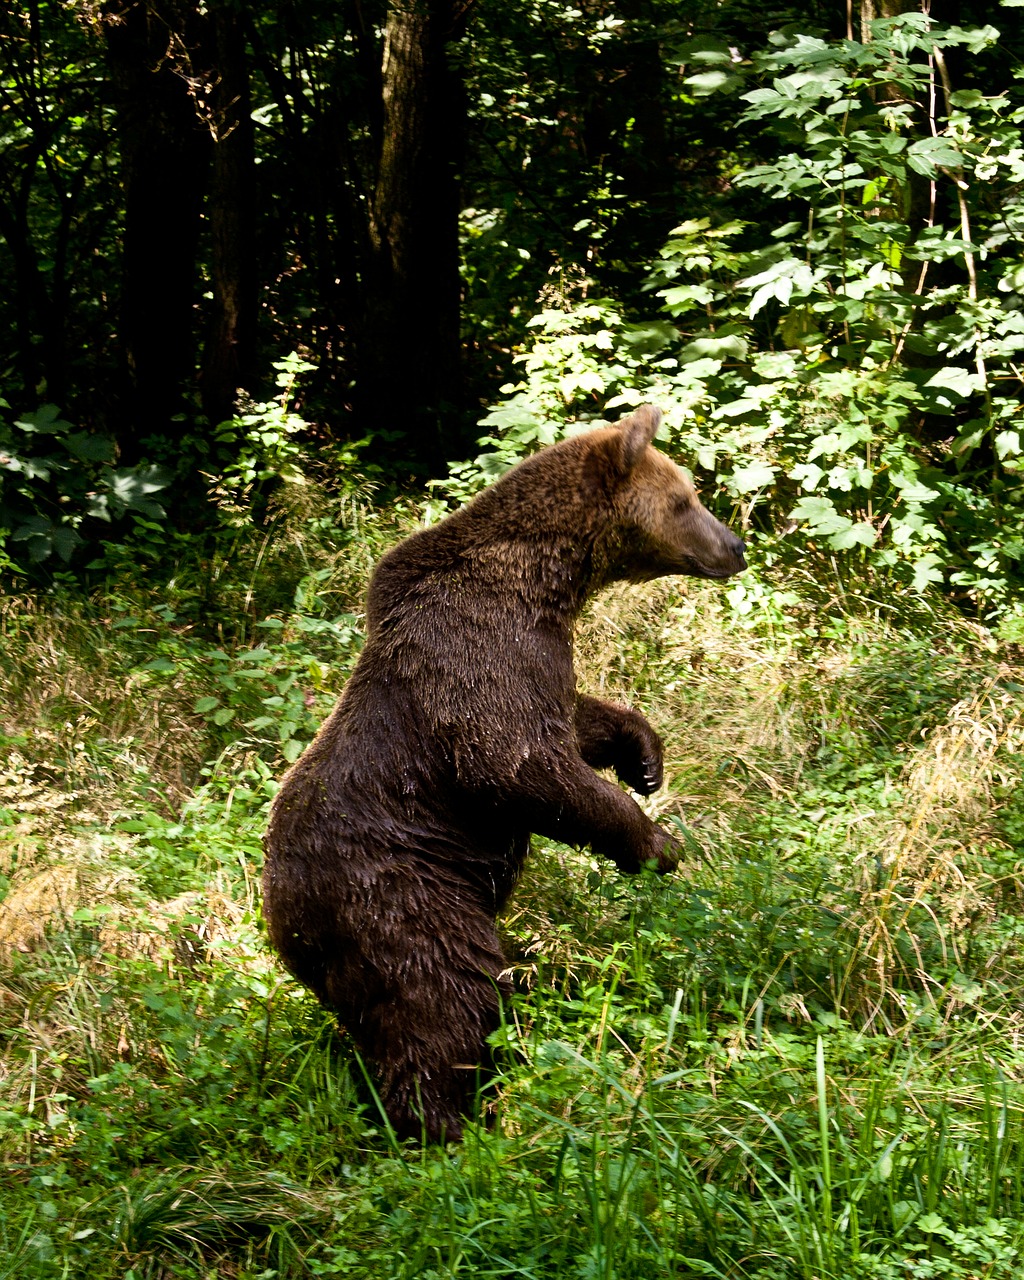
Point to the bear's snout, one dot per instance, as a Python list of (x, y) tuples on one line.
[(736, 547), (712, 550)]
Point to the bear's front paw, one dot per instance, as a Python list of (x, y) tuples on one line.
[(667, 857), (659, 854)]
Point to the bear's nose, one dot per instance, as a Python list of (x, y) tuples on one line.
[(737, 546)]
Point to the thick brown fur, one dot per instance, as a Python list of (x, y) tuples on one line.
[(398, 835)]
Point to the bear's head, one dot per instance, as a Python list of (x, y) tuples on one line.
[(658, 525)]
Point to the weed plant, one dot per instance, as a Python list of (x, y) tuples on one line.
[(800, 1056)]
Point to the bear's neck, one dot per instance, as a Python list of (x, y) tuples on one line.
[(552, 580), (541, 547), (482, 577)]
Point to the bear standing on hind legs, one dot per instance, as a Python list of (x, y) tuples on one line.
[(397, 836)]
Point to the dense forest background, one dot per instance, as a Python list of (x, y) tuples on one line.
[(281, 282), (796, 227)]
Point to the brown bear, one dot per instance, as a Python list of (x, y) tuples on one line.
[(398, 835)]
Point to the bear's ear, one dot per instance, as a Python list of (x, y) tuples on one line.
[(637, 432)]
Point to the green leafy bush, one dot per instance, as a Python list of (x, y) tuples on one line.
[(54, 478), (260, 442), (857, 381)]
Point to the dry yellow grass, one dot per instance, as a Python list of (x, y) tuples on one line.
[(31, 908), (929, 852), (744, 718), (46, 899), (81, 700)]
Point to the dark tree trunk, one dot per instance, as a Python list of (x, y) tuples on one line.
[(34, 113), (164, 150), (229, 358), (30, 300), (409, 358)]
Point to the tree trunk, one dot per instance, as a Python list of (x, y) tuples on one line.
[(164, 150), (31, 303), (229, 357), (409, 361)]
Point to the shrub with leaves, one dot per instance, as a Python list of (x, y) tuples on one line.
[(53, 478), (260, 442)]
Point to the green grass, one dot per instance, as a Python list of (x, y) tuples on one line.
[(799, 1057)]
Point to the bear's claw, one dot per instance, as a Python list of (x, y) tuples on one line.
[(652, 777), (648, 780)]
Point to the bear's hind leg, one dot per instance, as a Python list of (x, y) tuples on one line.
[(438, 999), (427, 1077)]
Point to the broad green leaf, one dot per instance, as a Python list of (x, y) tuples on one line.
[(965, 99), (691, 373), (843, 478), (493, 465), (730, 346), (911, 489), (1013, 278), (649, 337), (747, 479), (64, 540), (33, 526), (88, 447), (162, 666), (827, 443), (686, 297), (130, 486), (692, 227), (32, 468), (808, 473), (969, 437), (715, 80), (737, 408), (860, 534), (936, 244), (588, 380), (820, 515), (927, 155), (974, 39), (709, 51), (763, 98), (46, 420), (956, 380), (779, 281), (798, 328), (926, 571)]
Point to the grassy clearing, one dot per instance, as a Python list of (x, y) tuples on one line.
[(801, 1056)]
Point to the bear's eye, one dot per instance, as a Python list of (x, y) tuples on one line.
[(684, 503)]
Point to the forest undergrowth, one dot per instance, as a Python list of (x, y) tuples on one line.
[(800, 1056)]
